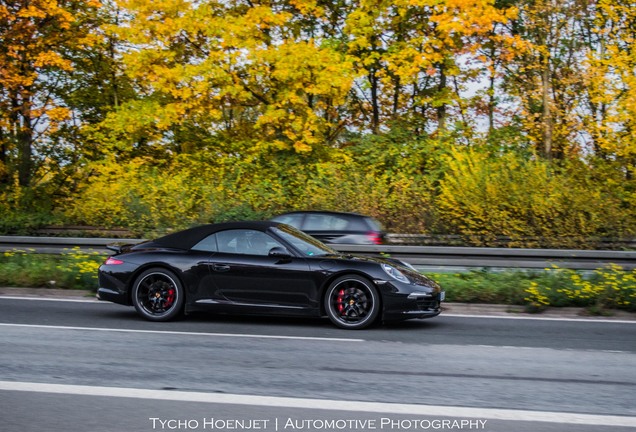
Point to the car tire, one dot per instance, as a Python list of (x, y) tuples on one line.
[(158, 295), (352, 302)]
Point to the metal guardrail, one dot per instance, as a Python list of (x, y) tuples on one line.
[(57, 245), (471, 257), (599, 243), (419, 256)]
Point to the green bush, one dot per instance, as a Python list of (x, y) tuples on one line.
[(411, 185), (602, 290), (535, 203), (485, 286), (72, 270)]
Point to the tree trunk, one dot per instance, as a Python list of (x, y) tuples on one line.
[(24, 136), (4, 178), (25, 149), (396, 97), (441, 109), (492, 101), (546, 122), (375, 105)]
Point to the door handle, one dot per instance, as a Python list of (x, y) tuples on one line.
[(220, 267)]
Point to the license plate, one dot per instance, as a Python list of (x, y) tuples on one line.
[(442, 295)]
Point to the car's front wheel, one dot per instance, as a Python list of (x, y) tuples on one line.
[(352, 302), (158, 295)]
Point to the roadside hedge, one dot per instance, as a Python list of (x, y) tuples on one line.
[(600, 293), (412, 186)]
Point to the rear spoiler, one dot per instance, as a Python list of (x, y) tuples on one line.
[(117, 247), (121, 247)]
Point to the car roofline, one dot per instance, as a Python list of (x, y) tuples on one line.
[(330, 212), (187, 238)]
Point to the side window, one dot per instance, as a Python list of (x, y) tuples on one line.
[(360, 224), (316, 222), (293, 219), (375, 225), (208, 244), (246, 242), (323, 222), (339, 224)]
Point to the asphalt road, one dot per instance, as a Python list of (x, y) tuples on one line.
[(88, 366)]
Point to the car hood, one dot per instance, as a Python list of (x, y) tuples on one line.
[(415, 277)]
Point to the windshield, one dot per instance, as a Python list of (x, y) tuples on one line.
[(306, 244)]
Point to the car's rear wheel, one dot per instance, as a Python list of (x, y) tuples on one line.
[(158, 295), (352, 302)]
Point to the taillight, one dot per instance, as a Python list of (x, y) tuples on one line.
[(374, 238), (113, 261)]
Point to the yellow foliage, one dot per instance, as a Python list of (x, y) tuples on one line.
[(484, 197), (610, 80), (291, 87)]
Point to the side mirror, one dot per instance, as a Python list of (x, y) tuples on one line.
[(279, 252)]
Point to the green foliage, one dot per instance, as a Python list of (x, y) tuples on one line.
[(606, 288), (148, 196), (72, 270), (599, 292), (484, 286), (532, 202), (21, 209), (410, 185)]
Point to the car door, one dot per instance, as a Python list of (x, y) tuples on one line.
[(244, 274)]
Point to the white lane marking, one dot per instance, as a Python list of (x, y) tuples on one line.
[(530, 348), (53, 299), (184, 333), (325, 404), (585, 320)]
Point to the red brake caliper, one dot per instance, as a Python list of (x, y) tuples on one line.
[(340, 300), (170, 297)]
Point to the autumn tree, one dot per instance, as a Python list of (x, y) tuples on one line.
[(238, 71), (610, 81), (417, 57), (37, 37), (547, 79)]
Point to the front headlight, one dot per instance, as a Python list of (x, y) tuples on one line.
[(395, 273)]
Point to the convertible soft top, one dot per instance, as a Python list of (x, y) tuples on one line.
[(187, 239)]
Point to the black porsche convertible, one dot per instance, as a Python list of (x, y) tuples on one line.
[(262, 268)]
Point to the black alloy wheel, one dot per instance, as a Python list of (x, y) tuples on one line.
[(352, 302), (158, 295)]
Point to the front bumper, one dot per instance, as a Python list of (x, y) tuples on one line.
[(414, 305)]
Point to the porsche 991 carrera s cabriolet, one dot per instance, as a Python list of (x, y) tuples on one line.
[(266, 268)]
